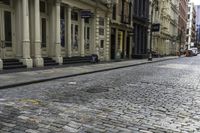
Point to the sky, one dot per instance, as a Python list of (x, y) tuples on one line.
[(196, 2)]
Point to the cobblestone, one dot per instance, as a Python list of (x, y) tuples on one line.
[(153, 98)]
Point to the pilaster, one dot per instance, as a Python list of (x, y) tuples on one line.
[(97, 47), (58, 58), (69, 41), (37, 61), (107, 47), (82, 37), (26, 37)]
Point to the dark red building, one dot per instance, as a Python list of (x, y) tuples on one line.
[(182, 23)]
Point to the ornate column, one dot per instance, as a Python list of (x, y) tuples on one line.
[(58, 58), (82, 37), (26, 59), (97, 46), (107, 47), (69, 41), (1, 62), (37, 61)]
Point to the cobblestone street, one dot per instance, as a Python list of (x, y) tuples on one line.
[(160, 97)]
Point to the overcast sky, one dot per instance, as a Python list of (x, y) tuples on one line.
[(196, 2)]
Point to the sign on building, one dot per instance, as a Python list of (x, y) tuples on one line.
[(156, 27), (86, 14)]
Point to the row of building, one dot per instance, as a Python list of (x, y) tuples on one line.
[(36, 31), (197, 9)]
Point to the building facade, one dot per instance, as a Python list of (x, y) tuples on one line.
[(121, 29), (32, 30), (174, 13), (182, 23), (191, 26), (140, 24), (197, 7), (164, 42)]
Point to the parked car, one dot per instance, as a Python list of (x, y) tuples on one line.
[(194, 51)]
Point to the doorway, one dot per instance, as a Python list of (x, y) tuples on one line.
[(87, 36), (113, 43), (6, 30), (128, 47), (44, 28)]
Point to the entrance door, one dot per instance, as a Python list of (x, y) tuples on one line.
[(75, 39), (113, 43), (75, 33), (6, 33), (44, 34), (44, 27), (127, 47), (87, 36)]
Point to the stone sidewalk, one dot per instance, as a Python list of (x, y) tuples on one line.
[(9, 80)]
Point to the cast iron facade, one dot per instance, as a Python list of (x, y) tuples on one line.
[(141, 20)]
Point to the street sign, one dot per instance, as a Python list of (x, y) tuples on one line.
[(86, 14), (156, 27)]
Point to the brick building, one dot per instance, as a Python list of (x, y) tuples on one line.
[(182, 23), (191, 26)]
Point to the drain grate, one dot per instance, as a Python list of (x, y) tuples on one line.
[(98, 89)]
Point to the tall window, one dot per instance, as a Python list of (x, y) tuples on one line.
[(62, 26), (126, 12), (101, 31), (43, 7), (101, 26), (87, 34), (74, 16), (44, 38), (114, 12)]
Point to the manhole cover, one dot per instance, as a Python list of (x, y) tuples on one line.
[(97, 90)]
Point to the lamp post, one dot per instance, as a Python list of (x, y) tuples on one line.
[(181, 34), (196, 38), (154, 3)]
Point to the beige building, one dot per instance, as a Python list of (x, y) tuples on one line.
[(33, 31), (191, 26), (164, 41)]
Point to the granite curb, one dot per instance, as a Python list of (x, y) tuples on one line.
[(79, 74)]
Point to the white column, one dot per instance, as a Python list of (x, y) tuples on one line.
[(82, 37), (57, 50), (1, 32), (69, 41), (38, 61), (26, 36)]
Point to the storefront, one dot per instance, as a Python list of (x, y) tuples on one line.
[(121, 41), (34, 30), (7, 29)]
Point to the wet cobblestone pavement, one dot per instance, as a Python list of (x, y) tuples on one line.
[(154, 98)]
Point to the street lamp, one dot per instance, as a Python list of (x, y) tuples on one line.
[(154, 4), (181, 34)]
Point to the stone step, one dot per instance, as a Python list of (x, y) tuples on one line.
[(13, 67)]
